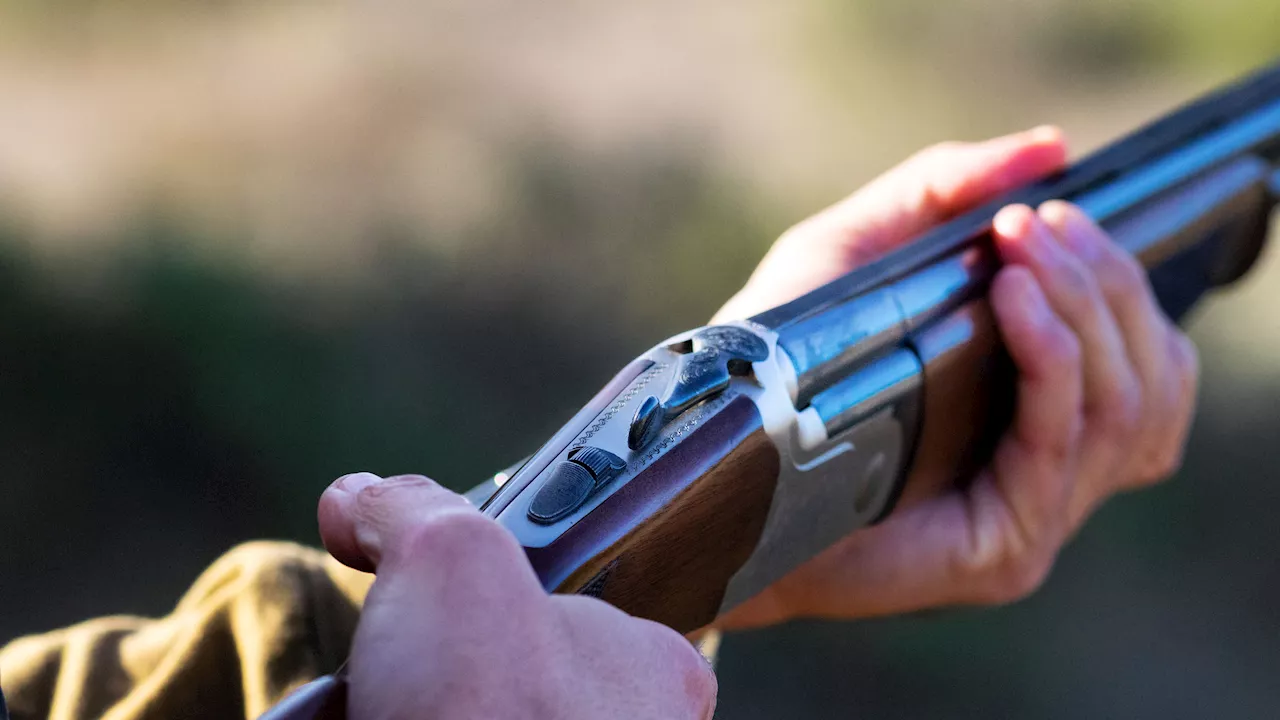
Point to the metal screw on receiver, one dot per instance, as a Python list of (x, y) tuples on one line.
[(646, 423)]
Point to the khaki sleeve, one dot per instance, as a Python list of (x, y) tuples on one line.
[(262, 620)]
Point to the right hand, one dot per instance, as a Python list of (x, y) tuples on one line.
[(456, 624)]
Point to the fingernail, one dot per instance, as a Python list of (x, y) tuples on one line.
[(355, 482)]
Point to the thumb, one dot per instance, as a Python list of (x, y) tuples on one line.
[(931, 187), (453, 587), (368, 522), (940, 182)]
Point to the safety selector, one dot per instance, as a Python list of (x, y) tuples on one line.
[(713, 356), (572, 482)]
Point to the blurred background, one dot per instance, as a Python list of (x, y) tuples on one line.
[(248, 247)]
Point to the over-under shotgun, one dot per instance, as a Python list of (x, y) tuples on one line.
[(724, 457)]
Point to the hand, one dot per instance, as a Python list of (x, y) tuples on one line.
[(1105, 393), (456, 624)]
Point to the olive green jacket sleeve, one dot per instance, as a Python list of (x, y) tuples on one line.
[(262, 620)]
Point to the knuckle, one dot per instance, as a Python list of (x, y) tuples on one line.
[(1120, 415), (702, 687), (1129, 272), (691, 675), (1177, 401), (1160, 466), (1077, 294), (1062, 353), (1186, 358), (461, 534), (1172, 462), (1078, 283), (399, 489), (1166, 465), (1020, 576), (413, 481), (699, 684), (1123, 278), (1010, 565), (922, 172)]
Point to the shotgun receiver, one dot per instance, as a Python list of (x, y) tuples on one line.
[(726, 456)]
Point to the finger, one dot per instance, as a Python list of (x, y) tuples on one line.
[(1146, 334), (1035, 462), (932, 186), (1047, 356), (355, 532), (1017, 507), (1186, 362), (452, 587), (1112, 393)]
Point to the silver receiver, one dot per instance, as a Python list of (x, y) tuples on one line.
[(839, 394), (841, 455)]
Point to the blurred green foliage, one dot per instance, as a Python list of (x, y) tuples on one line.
[(1100, 38)]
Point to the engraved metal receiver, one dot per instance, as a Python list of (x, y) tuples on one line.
[(834, 463)]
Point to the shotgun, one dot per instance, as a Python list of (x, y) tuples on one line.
[(726, 456)]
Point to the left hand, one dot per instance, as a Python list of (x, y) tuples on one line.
[(1106, 387)]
